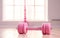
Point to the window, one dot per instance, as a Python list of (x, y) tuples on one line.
[(36, 10)]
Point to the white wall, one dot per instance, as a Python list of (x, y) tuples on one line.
[(53, 13), (54, 9)]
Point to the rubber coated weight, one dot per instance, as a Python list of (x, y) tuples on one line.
[(22, 28), (46, 28)]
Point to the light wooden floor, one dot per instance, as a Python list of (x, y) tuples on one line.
[(12, 33)]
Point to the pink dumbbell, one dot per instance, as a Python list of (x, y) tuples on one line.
[(23, 27)]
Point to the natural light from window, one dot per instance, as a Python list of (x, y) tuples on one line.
[(36, 10)]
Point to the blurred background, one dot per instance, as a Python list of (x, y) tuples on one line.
[(12, 13)]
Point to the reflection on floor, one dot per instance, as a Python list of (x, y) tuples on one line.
[(12, 33)]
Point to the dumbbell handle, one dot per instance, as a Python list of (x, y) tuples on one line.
[(38, 28)]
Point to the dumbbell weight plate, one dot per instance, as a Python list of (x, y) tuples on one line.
[(22, 28), (46, 28)]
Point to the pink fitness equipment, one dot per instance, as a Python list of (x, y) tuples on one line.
[(23, 27)]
